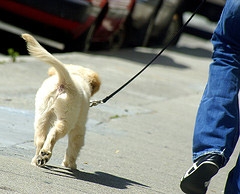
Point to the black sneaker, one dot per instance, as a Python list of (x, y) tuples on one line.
[(197, 178)]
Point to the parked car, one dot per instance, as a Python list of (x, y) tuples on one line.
[(167, 22), (140, 23), (78, 24), (66, 21), (163, 19), (212, 9), (75, 23), (112, 29), (169, 19)]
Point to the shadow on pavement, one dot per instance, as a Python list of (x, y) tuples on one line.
[(197, 52), (101, 178), (143, 56)]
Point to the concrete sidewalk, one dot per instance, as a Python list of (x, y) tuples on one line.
[(138, 142)]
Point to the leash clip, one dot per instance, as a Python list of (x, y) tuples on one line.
[(95, 102)]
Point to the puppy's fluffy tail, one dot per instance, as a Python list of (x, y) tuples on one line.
[(36, 50)]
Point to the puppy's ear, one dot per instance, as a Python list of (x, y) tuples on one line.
[(52, 71), (95, 83)]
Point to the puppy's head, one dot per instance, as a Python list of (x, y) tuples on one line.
[(87, 74)]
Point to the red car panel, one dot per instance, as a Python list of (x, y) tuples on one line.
[(73, 17), (117, 13)]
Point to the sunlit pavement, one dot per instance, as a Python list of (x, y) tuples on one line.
[(138, 142)]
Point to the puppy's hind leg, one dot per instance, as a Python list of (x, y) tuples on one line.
[(75, 143), (41, 125), (58, 131)]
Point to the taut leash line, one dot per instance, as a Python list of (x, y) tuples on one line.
[(97, 102)]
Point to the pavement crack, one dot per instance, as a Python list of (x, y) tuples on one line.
[(24, 142), (6, 188)]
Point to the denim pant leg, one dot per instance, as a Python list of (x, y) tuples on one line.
[(217, 122), (233, 183)]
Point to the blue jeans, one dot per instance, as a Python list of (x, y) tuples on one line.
[(217, 122)]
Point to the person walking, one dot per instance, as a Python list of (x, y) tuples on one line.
[(216, 129)]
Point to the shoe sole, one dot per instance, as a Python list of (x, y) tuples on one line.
[(197, 181)]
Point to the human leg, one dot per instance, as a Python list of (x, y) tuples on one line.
[(217, 124), (233, 181), (216, 127)]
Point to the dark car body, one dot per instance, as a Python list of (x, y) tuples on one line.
[(61, 20), (156, 22), (212, 9), (73, 17), (76, 23), (141, 22), (169, 19)]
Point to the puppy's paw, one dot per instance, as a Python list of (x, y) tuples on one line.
[(43, 158), (69, 164)]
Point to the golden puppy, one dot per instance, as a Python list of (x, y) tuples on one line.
[(61, 106)]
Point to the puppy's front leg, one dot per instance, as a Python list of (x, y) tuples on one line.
[(58, 131)]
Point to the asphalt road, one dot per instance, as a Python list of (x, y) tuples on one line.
[(138, 142)]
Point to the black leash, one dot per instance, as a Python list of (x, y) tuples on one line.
[(96, 102)]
